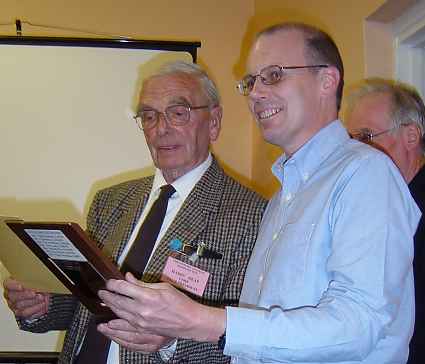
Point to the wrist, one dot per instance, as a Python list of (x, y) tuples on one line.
[(211, 324)]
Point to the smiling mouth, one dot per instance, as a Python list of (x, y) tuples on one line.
[(266, 114)]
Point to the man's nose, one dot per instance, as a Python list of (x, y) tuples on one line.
[(162, 124), (259, 89)]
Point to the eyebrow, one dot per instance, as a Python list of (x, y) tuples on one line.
[(180, 100)]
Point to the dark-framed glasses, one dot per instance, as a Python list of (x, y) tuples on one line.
[(366, 135), (269, 76), (175, 115)]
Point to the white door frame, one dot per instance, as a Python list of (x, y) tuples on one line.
[(409, 46)]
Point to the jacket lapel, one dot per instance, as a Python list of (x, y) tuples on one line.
[(127, 217), (192, 218)]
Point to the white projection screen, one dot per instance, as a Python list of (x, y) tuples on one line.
[(67, 130)]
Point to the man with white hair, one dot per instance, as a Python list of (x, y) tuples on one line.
[(210, 226), (390, 116)]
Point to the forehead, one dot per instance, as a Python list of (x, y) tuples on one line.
[(171, 88), (285, 48), (371, 111)]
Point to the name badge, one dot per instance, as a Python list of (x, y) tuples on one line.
[(186, 276)]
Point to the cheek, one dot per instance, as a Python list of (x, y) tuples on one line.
[(387, 146), (197, 141), (149, 140)]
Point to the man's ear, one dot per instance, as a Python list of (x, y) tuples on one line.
[(329, 78), (216, 114), (411, 135)]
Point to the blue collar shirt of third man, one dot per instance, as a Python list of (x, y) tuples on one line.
[(330, 278)]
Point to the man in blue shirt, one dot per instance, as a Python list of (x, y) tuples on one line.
[(330, 278)]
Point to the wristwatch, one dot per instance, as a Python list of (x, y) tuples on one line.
[(222, 341)]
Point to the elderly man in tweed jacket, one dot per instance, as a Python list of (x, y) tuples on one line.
[(210, 208)]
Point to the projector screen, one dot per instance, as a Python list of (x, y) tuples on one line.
[(67, 130)]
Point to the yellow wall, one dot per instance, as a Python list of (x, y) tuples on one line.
[(344, 20)]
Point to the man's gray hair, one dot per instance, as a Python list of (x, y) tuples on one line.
[(193, 70), (407, 106)]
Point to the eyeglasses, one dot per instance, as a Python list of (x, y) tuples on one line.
[(366, 135), (269, 76), (176, 115)]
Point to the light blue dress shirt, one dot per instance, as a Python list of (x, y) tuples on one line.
[(330, 278)]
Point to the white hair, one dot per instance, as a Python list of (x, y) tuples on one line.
[(407, 106), (195, 71)]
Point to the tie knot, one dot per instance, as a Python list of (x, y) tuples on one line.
[(166, 191)]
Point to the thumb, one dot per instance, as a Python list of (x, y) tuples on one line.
[(129, 277)]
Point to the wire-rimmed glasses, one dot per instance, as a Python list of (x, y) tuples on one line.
[(269, 76), (366, 135), (176, 115)]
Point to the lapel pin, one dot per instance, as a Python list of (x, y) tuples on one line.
[(194, 252)]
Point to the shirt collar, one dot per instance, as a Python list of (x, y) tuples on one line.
[(184, 184), (310, 156)]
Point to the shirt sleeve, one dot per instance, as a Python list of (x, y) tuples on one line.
[(58, 317), (369, 274), (168, 350)]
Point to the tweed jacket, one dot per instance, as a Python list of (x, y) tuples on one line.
[(218, 212)]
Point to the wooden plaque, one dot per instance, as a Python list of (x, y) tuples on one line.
[(73, 257)]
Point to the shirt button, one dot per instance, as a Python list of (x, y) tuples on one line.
[(275, 235), (288, 197)]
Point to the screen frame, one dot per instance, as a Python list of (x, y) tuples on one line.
[(165, 45)]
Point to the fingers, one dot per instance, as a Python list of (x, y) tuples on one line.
[(121, 325), (25, 302), (123, 307), (11, 284), (158, 308), (30, 309), (128, 336), (130, 278), (120, 286)]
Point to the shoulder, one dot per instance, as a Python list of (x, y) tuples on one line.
[(372, 173), (354, 157), (217, 190), (125, 189), (239, 199), (235, 191)]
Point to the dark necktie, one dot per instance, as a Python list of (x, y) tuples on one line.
[(95, 347), (142, 247)]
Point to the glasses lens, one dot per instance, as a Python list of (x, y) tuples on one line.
[(363, 136), (148, 118), (178, 114), (271, 75), (246, 85), (138, 120)]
